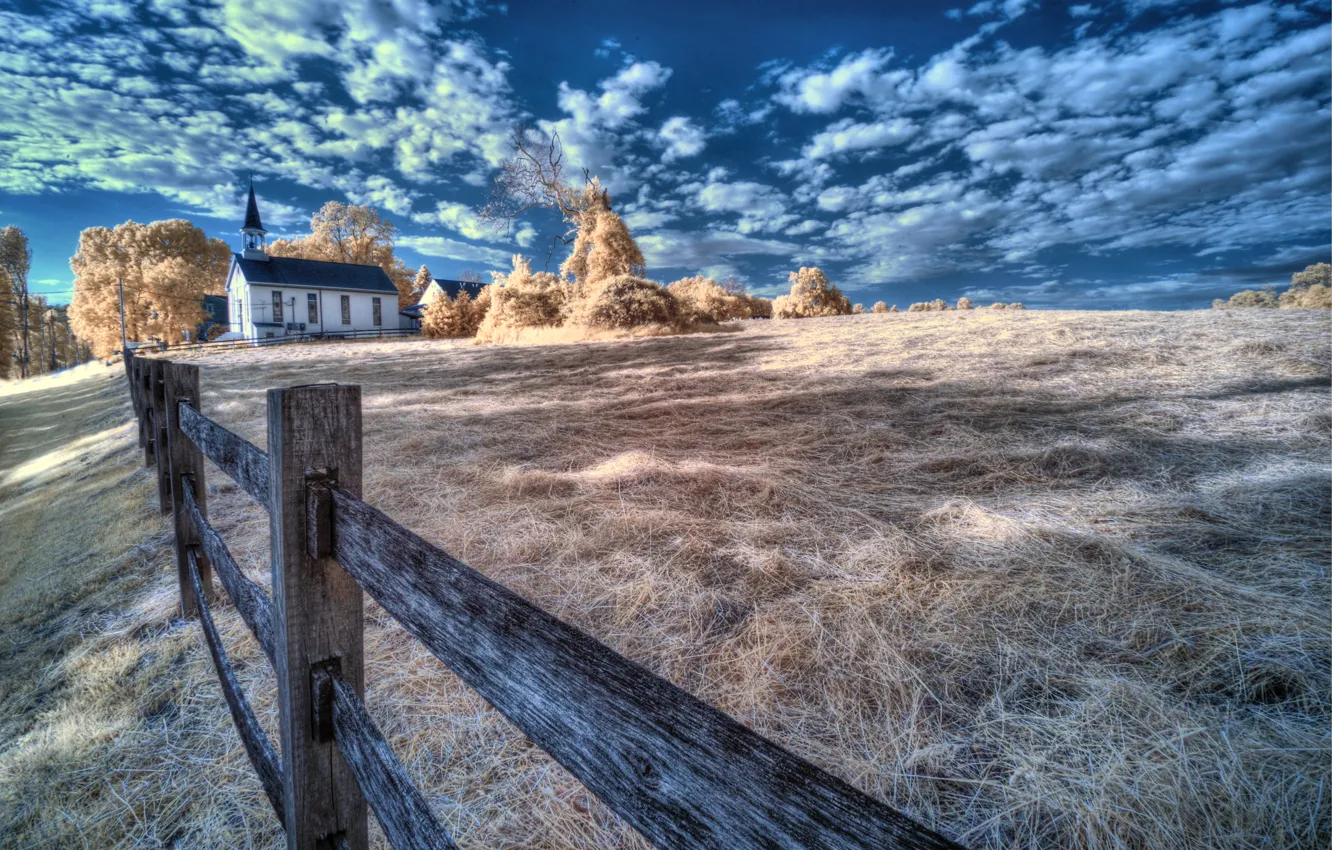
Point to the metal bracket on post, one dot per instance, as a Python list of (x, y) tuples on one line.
[(321, 698), (319, 511)]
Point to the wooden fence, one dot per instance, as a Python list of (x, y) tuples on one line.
[(285, 339), (682, 773)]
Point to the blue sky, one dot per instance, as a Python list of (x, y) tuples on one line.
[(1143, 153)]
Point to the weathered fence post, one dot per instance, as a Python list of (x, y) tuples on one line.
[(157, 399), (314, 437), (145, 410), (186, 470)]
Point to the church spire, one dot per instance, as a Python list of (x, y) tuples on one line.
[(253, 232)]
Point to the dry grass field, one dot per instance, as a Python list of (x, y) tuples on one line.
[(1039, 579)]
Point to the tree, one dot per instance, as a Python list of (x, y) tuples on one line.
[(9, 328), (965, 304), (166, 268), (469, 276), (811, 295), (1319, 274), (879, 307), (533, 178), (348, 233), (603, 249), (857, 309), (421, 283), (1311, 288), (458, 317), (16, 260)]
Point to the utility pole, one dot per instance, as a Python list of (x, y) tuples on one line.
[(120, 281)]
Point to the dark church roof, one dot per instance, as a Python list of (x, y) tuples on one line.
[(252, 213), (314, 274)]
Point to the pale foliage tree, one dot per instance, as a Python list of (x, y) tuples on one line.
[(811, 295), (421, 282), (879, 307), (15, 261), (1311, 288), (1319, 274), (603, 248), (9, 328), (965, 304), (533, 177), (454, 317), (857, 309), (167, 267), (350, 233)]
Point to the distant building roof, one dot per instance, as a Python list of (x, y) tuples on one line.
[(315, 274), (451, 288)]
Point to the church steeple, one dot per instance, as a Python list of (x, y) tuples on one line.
[(253, 232)]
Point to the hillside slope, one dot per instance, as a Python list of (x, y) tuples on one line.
[(1041, 579)]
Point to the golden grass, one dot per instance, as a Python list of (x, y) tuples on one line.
[(1040, 579)]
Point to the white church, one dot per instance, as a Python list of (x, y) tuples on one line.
[(275, 297)]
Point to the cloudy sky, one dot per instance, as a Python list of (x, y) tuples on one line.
[(1153, 153)]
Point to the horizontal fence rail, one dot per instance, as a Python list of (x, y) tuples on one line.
[(251, 601), (401, 810), (238, 458), (682, 773), (257, 746)]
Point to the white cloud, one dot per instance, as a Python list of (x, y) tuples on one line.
[(682, 138), (848, 135), (452, 249)]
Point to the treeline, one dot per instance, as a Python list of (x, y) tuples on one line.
[(35, 336), (1309, 289)]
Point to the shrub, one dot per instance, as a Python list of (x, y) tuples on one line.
[(1266, 298), (965, 304), (938, 305), (702, 299), (857, 309), (879, 307), (459, 317), (625, 302), (893, 309), (1017, 305), (1319, 274), (811, 295), (1317, 295), (759, 308), (521, 300), (998, 305)]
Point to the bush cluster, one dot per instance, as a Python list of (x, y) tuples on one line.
[(811, 295), (703, 299), (1309, 289)]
